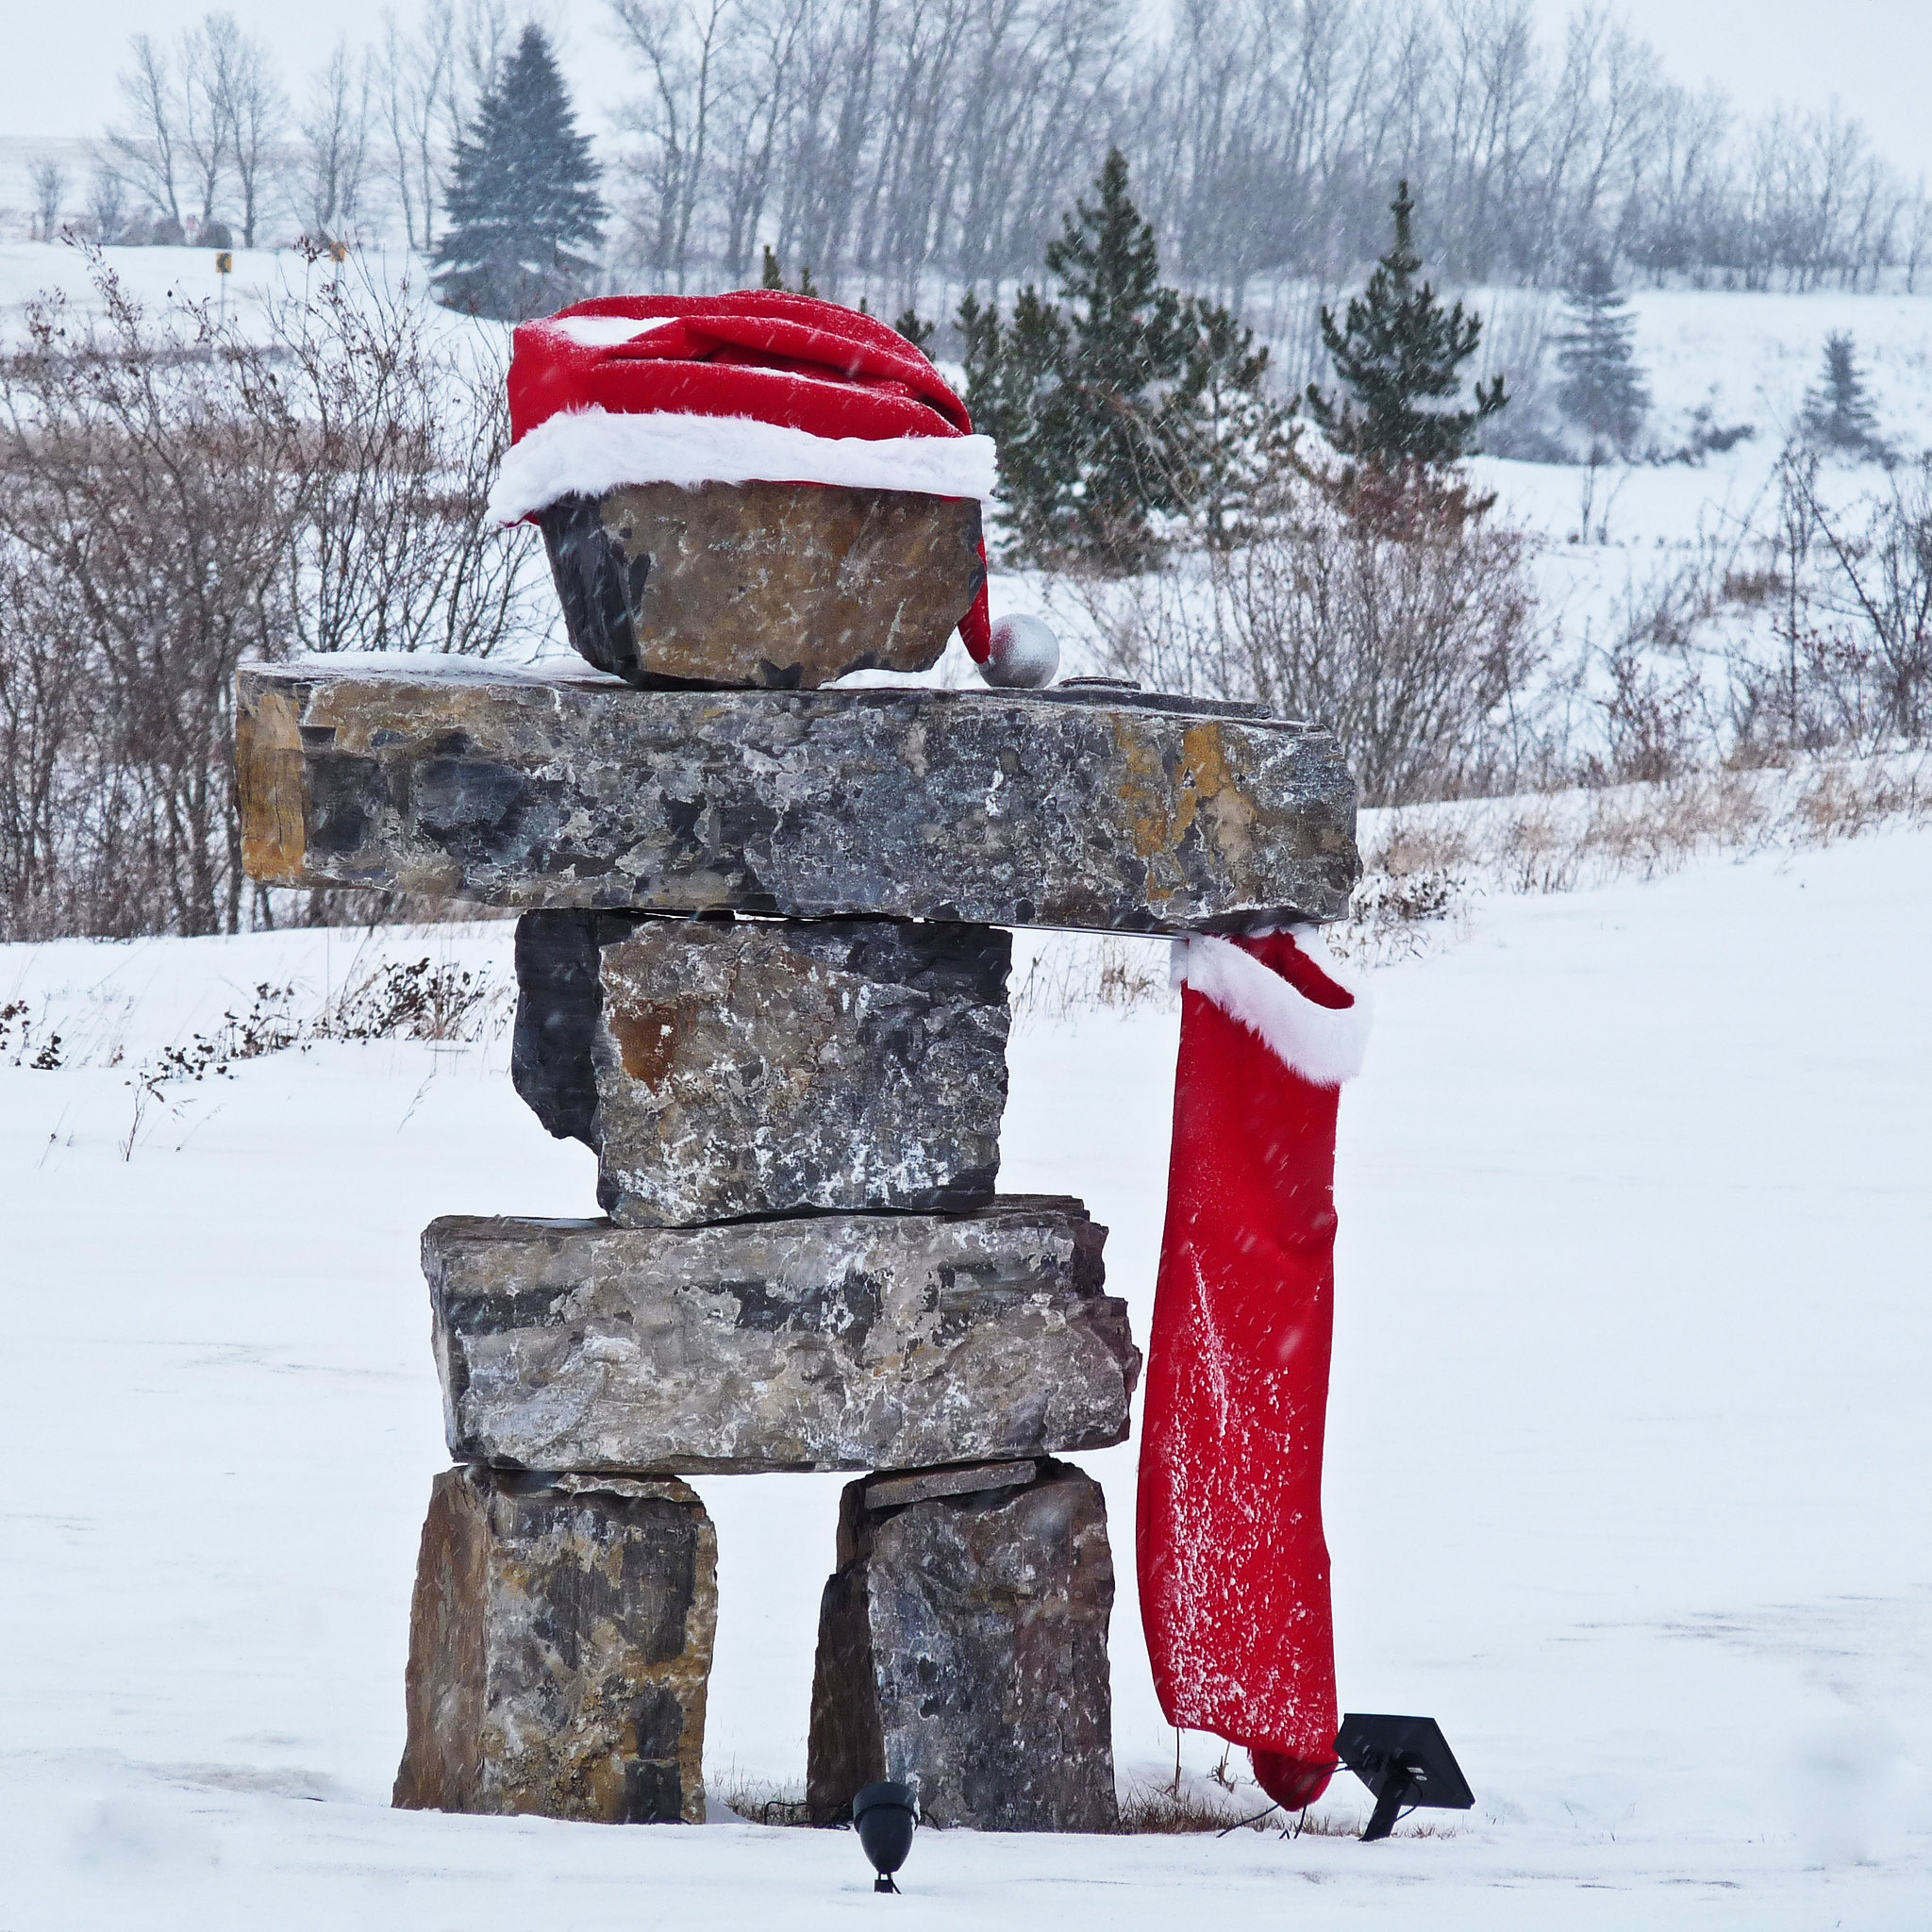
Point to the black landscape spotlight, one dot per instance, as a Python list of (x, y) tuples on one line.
[(885, 1816), (1405, 1761)]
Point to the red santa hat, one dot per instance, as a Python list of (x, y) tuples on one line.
[(759, 386)]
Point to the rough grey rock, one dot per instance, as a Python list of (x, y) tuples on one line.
[(766, 1067), (1101, 810), (775, 584), (835, 1341), (560, 1649), (962, 1648)]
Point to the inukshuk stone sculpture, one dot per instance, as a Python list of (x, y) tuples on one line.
[(762, 972)]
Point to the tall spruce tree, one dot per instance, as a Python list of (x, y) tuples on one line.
[(523, 198), (1126, 403), (1601, 390), (1125, 339), (1400, 357), (1231, 440), (1838, 413), (1012, 389)]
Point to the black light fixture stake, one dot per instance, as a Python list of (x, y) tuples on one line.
[(1405, 1761), (885, 1815)]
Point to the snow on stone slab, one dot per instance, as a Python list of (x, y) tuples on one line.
[(1626, 1470)]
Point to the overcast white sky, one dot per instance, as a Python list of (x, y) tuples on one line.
[(1875, 56)]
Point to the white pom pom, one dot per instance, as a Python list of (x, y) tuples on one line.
[(1026, 655)]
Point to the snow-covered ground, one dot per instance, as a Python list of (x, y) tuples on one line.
[(1627, 1481)]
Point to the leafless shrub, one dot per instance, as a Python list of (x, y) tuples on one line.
[(1074, 974), (1653, 724), (1412, 639), (399, 432), (176, 495), (141, 517), (1852, 671), (414, 1000)]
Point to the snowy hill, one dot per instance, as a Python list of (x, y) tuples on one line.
[(1625, 1484)]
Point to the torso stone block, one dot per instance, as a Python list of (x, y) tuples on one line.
[(765, 584), (832, 1341), (762, 1066), (1064, 807)]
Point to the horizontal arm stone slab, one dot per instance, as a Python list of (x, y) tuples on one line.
[(1111, 810), (833, 1341)]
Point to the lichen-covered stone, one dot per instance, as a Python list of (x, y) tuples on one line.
[(766, 1067), (962, 1649), (777, 584), (1065, 808), (560, 1649), (832, 1341)]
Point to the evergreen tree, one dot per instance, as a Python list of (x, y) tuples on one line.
[(1231, 439), (919, 333), (1601, 390), (524, 195), (1128, 403), (774, 278), (1125, 338), (1013, 391), (1839, 413), (1400, 352)]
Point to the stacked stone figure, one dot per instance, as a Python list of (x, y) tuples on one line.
[(762, 965)]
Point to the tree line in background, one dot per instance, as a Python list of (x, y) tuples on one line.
[(885, 144)]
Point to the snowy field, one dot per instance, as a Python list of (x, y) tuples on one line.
[(1627, 1485)]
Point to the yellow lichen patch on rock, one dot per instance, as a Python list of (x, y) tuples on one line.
[(1165, 805)]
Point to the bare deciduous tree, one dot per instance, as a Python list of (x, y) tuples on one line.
[(202, 121), (419, 73), (48, 179), (144, 150), (252, 112), (107, 203), (335, 143), (879, 139)]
